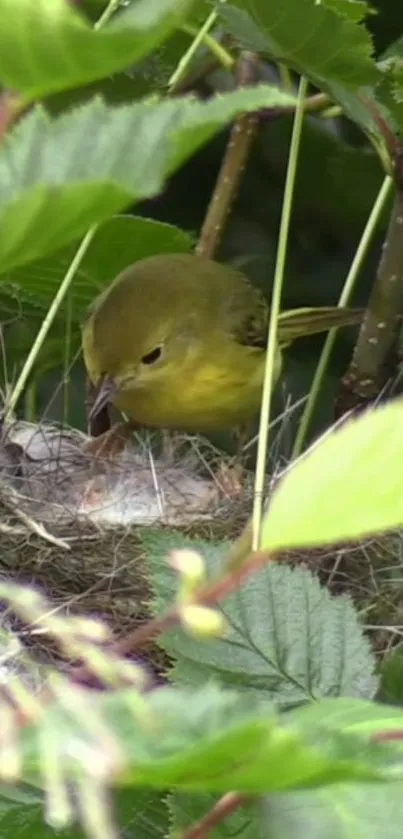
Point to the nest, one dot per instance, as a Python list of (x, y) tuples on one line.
[(70, 524), (70, 521)]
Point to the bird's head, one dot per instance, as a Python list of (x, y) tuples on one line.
[(139, 370), (142, 333)]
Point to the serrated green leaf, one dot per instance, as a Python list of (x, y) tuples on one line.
[(111, 157), (354, 10), (287, 638), (307, 35), (388, 101), (144, 813), (348, 486), (48, 46)]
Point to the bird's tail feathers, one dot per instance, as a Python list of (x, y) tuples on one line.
[(298, 323)]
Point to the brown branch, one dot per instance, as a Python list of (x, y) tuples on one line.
[(387, 736), (384, 129), (313, 104), (368, 371), (224, 807), (241, 138), (11, 107)]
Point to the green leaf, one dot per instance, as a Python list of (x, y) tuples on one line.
[(111, 157), (118, 242), (348, 485), (391, 687), (354, 10), (315, 40), (143, 813), (342, 811), (287, 638), (349, 716), (209, 740), (48, 46)]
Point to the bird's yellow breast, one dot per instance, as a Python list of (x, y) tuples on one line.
[(208, 397)]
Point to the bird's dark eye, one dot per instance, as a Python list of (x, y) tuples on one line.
[(152, 356)]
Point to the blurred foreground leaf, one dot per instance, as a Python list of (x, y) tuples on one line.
[(111, 157), (350, 484), (48, 45)]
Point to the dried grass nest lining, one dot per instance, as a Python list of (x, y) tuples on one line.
[(90, 559), (70, 522)]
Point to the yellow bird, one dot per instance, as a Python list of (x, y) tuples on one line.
[(179, 342)]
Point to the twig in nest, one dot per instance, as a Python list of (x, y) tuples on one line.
[(241, 138), (12, 504)]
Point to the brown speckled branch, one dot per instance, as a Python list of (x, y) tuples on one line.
[(240, 141), (367, 374)]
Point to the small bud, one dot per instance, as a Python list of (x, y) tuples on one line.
[(89, 629), (189, 564), (191, 568), (201, 621)]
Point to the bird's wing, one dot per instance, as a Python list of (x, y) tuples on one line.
[(248, 318)]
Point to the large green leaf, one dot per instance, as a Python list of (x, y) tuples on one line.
[(348, 486), (207, 740), (48, 46), (286, 639), (309, 36), (110, 158), (342, 811)]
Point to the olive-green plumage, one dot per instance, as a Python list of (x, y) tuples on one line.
[(179, 342)]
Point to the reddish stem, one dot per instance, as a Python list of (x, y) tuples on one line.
[(224, 807)]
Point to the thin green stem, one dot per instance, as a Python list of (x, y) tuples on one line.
[(285, 77), (222, 55), (344, 298), (107, 13), (30, 402), (272, 344), (67, 357), (332, 113), (47, 322), (199, 36)]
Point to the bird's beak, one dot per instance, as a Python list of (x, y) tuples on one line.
[(104, 393)]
